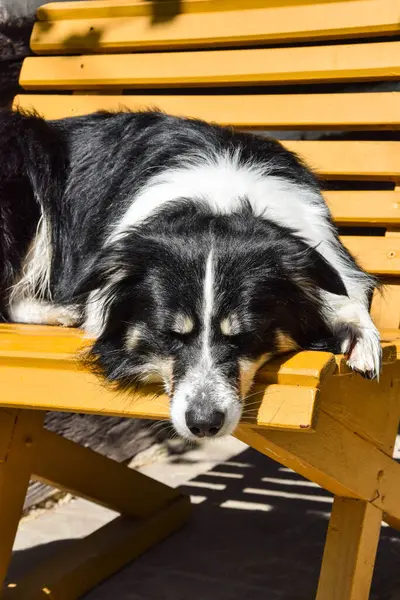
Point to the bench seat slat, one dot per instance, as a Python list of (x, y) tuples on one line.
[(216, 29), (355, 62), (375, 110)]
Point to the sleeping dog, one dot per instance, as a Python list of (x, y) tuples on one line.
[(191, 253)]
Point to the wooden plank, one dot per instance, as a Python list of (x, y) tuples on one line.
[(62, 386), (88, 474), (88, 9), (375, 161), (282, 407), (334, 20), (350, 62), (14, 479), (350, 550), (385, 309), (378, 255), (380, 208), (375, 110), (42, 371), (370, 409), (336, 458), (7, 423), (303, 368), (79, 568)]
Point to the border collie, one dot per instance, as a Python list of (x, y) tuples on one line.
[(190, 252)]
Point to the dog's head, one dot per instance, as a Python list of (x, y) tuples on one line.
[(200, 302)]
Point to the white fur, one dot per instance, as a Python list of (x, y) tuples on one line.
[(33, 282), (221, 181), (227, 400), (208, 307), (95, 312), (31, 310)]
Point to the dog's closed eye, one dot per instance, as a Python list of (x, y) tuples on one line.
[(183, 324), (230, 326)]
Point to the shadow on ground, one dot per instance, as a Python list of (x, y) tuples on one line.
[(257, 532)]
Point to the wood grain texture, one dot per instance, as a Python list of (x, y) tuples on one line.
[(291, 23), (87, 9), (374, 161), (332, 457), (87, 474), (348, 62), (15, 473), (374, 110), (378, 255), (350, 551)]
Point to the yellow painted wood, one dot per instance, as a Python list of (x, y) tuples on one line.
[(7, 423), (51, 385), (354, 62), (374, 110), (380, 208), (367, 408), (379, 255), (281, 407), (217, 29), (88, 474), (332, 457), (40, 369), (385, 308), (138, 8), (350, 551), (132, 8), (350, 160), (303, 368), (15, 472), (73, 572), (395, 523)]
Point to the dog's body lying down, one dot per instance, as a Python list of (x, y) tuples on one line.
[(192, 254)]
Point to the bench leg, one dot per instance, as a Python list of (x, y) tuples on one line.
[(350, 550), (151, 511), (21, 429)]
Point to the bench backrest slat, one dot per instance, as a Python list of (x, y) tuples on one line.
[(206, 68), (213, 28), (353, 111)]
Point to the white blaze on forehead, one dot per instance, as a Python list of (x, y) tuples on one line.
[(208, 307)]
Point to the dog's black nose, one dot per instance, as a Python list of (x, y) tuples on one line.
[(204, 425)]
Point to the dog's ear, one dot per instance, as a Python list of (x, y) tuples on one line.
[(127, 258), (308, 265), (106, 269)]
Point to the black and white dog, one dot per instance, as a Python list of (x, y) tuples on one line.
[(190, 252)]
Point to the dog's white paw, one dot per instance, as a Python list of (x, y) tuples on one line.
[(363, 351)]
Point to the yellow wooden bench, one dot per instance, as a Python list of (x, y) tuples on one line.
[(217, 60)]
